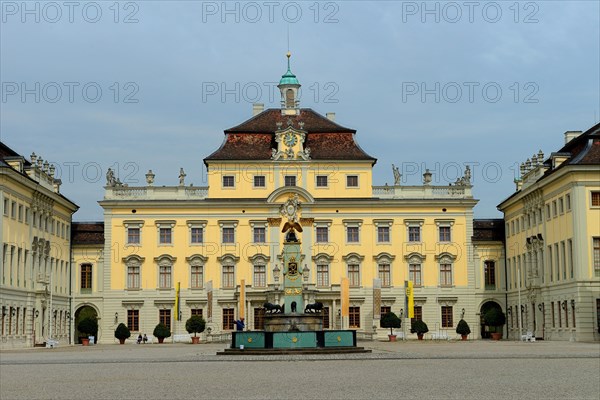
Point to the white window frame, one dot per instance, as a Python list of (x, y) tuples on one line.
[(285, 178), (317, 181), (165, 225), (133, 261), (353, 223), (383, 223), (195, 224), (133, 224), (446, 258), (228, 224), (444, 223), (264, 181), (259, 224), (357, 181), (323, 259), (415, 258), (165, 261), (223, 182), (414, 223), (228, 260), (354, 259), (323, 224), (194, 261)]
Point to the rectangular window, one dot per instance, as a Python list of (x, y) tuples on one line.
[(595, 199), (596, 245), (20, 213), (489, 269), (383, 234), (568, 201), (321, 180), (259, 319), (133, 320), (554, 209), (228, 181), (550, 263), (414, 233), (559, 314), (260, 276), (290, 180), (414, 274), (571, 266), (228, 235), (259, 181), (228, 278), (133, 235), (5, 207), (418, 314), (13, 209), (197, 235), (322, 275), (325, 317), (573, 314), (197, 277), (27, 215), (352, 234), (561, 206), (260, 235), (228, 319), (566, 313), (557, 261), (548, 212), (444, 233), (563, 254), (553, 317), (86, 276), (322, 234), (165, 236), (352, 181), (164, 317), (133, 277), (382, 311), (384, 275), (354, 275), (447, 317), (197, 312), (446, 274), (165, 277), (354, 317)]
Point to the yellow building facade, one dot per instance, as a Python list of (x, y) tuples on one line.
[(222, 244), (553, 243), (35, 269)]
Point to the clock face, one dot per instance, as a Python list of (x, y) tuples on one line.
[(289, 139)]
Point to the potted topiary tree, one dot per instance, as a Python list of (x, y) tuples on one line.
[(88, 327), (419, 327), (161, 332), (122, 333), (391, 320), (463, 329), (195, 324), (496, 319)]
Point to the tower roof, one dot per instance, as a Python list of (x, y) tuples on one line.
[(289, 78)]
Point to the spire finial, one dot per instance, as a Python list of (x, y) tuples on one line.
[(288, 55)]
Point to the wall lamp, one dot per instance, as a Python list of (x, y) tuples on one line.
[(509, 311), (68, 315), (541, 306), (339, 313), (401, 312), (37, 313), (522, 308), (573, 303), (13, 312), (462, 313), (564, 305), (54, 313), (116, 317)]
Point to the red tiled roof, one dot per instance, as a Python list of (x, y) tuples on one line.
[(254, 139), (266, 122), (87, 233)]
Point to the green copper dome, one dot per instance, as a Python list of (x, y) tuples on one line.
[(289, 78)]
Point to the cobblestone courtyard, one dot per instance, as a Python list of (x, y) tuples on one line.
[(427, 370)]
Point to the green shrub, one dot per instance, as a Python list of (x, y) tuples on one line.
[(391, 320), (122, 332), (195, 324), (463, 328), (88, 326), (494, 317), (419, 327), (161, 331)]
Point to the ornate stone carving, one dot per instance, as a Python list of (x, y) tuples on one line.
[(307, 221), (274, 221)]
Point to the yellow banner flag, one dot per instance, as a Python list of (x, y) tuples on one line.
[(242, 299), (345, 294), (177, 302), (411, 300)]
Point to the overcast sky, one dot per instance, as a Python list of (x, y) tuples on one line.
[(435, 85)]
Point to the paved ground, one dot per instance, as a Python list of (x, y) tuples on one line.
[(424, 370)]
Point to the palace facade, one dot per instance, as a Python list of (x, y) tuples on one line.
[(164, 253), (35, 269), (553, 242)]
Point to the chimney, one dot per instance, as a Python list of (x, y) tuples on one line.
[(570, 135), (331, 116), (257, 108)]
